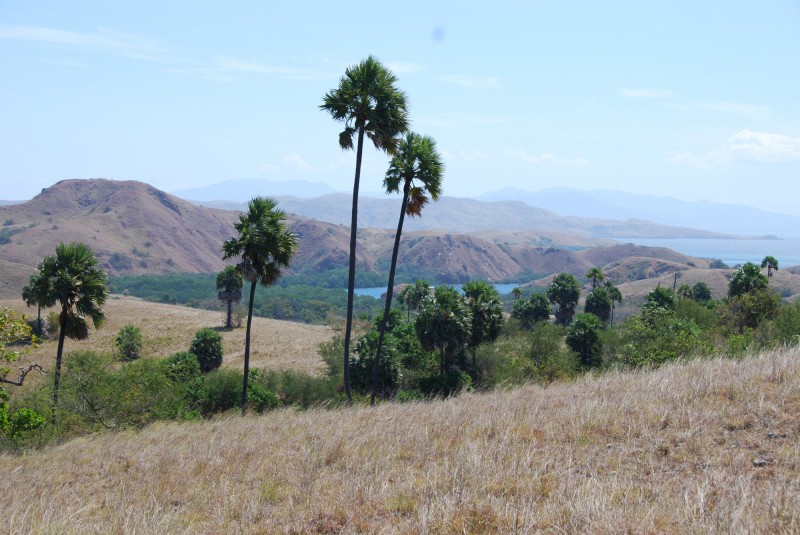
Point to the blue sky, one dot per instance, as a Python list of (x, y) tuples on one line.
[(688, 98)]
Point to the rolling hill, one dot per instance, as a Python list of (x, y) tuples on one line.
[(136, 229)]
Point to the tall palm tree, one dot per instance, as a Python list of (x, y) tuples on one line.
[(771, 263), (78, 285), (229, 284), (417, 168), (368, 103), (265, 246), (517, 291)]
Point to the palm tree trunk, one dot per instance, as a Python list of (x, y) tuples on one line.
[(247, 347), (389, 291), (351, 276), (228, 323), (57, 375)]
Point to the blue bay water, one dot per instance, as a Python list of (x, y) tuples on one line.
[(377, 292), (732, 252)]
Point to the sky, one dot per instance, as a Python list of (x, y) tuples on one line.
[(692, 99)]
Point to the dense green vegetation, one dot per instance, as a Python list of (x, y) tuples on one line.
[(295, 299)]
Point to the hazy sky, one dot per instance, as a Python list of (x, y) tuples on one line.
[(691, 99)]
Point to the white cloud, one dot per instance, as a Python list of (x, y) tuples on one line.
[(645, 93), (269, 168), (547, 158), (296, 161), (745, 146), (130, 44), (754, 111), (472, 83), (763, 147), (226, 68)]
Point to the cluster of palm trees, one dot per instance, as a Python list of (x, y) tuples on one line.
[(369, 104)]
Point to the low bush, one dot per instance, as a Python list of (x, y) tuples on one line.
[(207, 345)]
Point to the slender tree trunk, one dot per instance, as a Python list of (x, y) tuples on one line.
[(441, 362), (39, 320), (247, 347), (389, 291), (351, 276), (59, 352), (228, 322)]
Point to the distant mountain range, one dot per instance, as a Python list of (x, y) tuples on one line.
[(601, 204), (470, 215), (607, 204)]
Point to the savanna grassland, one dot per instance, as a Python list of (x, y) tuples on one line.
[(708, 446), (168, 329)]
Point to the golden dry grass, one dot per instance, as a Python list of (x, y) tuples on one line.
[(167, 329), (705, 447)]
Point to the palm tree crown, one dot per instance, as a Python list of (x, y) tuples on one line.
[(416, 168), (367, 101), (264, 243)]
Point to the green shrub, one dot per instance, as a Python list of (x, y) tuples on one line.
[(207, 345), (215, 392), (95, 394), (129, 342), (445, 384), (261, 399), (182, 367)]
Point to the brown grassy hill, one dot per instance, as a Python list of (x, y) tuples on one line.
[(705, 447), (548, 260), (132, 227), (603, 256), (457, 257), (637, 268)]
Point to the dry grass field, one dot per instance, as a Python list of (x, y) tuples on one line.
[(167, 329), (704, 447)]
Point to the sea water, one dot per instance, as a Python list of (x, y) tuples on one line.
[(732, 252)]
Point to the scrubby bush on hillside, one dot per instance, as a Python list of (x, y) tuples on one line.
[(207, 345), (129, 342), (182, 367)]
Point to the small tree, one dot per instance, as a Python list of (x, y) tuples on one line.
[(583, 337), (15, 330), (484, 303), (660, 298), (531, 311), (701, 292), (747, 278), (599, 303), (207, 345), (595, 275), (129, 342), (444, 323), (564, 291), (229, 284), (771, 264)]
